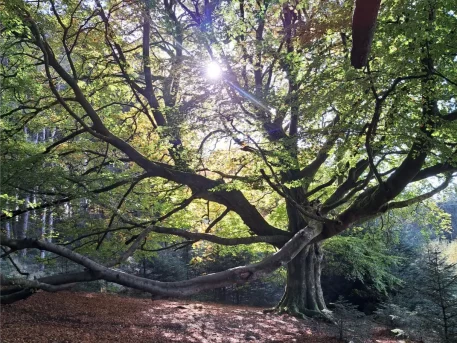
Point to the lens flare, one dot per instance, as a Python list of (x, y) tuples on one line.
[(213, 71)]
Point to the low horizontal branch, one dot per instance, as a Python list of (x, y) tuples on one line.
[(180, 288), (5, 281)]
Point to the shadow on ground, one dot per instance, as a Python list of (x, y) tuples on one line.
[(94, 317)]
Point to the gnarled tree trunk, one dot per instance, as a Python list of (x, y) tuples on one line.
[(303, 293)]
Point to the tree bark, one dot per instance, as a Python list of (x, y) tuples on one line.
[(303, 294)]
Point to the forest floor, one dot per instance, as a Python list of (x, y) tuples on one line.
[(98, 317)]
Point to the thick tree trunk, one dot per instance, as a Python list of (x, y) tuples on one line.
[(303, 295)]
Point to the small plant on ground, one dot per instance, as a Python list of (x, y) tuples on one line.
[(344, 312)]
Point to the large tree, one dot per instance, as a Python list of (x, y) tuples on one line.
[(151, 108)]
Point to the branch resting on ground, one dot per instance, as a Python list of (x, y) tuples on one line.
[(180, 288)]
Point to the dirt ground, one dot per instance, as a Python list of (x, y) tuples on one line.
[(96, 317)]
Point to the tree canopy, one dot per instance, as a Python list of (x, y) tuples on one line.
[(232, 122)]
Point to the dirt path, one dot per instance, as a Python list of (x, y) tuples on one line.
[(90, 317)]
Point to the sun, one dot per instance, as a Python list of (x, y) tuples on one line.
[(213, 71)]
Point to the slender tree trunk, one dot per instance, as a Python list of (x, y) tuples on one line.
[(15, 223), (303, 295), (43, 235), (22, 231), (51, 226), (8, 229)]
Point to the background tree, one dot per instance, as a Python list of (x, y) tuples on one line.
[(425, 305), (435, 292), (145, 144)]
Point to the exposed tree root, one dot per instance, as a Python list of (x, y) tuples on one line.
[(293, 310)]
